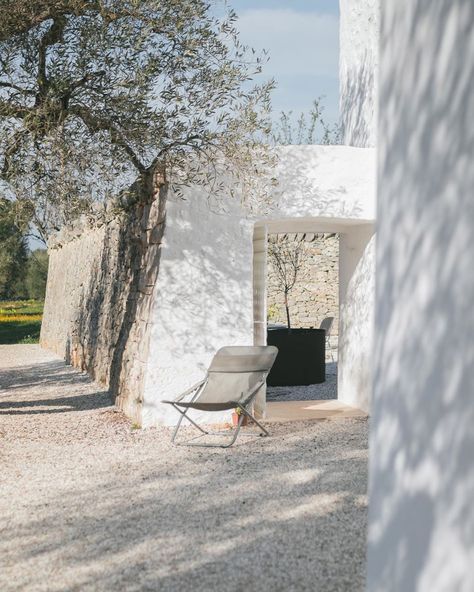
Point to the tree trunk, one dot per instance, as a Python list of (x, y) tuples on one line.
[(287, 312)]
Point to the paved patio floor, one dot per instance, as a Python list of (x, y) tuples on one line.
[(89, 503), (286, 411)]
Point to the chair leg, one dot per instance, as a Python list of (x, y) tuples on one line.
[(229, 444), (178, 425), (249, 415), (244, 412), (234, 438), (236, 433)]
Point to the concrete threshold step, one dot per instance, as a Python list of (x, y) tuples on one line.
[(305, 410)]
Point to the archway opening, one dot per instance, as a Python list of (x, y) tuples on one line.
[(348, 350), (303, 309)]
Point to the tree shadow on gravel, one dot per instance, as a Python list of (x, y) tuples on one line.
[(46, 373), (283, 515), (47, 379), (56, 405)]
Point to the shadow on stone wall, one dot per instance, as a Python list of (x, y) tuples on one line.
[(108, 333)]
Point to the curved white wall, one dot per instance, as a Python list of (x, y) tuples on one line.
[(421, 513)]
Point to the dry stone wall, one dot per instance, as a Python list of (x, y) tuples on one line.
[(316, 292), (99, 295)]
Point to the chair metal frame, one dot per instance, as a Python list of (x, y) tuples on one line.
[(244, 408)]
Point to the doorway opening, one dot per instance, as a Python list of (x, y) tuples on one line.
[(345, 274), (303, 294)]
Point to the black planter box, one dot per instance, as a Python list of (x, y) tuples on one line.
[(301, 357)]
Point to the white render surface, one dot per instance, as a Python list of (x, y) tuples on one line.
[(203, 301), (358, 70), (204, 295), (421, 513), (356, 297), (324, 181)]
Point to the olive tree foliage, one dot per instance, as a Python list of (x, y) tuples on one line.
[(305, 128), (13, 250), (97, 94), (36, 274)]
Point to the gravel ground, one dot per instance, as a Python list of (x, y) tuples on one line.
[(311, 392), (89, 503)]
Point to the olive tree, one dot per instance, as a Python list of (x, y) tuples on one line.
[(95, 95)]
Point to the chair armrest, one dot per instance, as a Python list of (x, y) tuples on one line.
[(191, 389)]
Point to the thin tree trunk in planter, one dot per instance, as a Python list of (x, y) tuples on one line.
[(287, 307)]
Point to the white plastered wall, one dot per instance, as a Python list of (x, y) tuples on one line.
[(358, 70), (356, 314), (421, 511), (203, 300), (204, 297)]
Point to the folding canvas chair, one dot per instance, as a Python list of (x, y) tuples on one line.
[(233, 380)]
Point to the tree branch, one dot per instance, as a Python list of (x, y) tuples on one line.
[(80, 83), (15, 87), (24, 15), (10, 110), (51, 37), (12, 148), (186, 142), (95, 124)]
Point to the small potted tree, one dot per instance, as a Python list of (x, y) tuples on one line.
[(301, 357)]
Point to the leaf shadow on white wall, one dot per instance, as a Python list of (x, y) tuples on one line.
[(421, 520)]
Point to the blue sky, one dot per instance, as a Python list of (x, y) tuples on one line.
[(302, 37)]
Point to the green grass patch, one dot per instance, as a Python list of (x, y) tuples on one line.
[(20, 321)]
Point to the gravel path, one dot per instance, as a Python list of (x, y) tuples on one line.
[(311, 392), (89, 503)]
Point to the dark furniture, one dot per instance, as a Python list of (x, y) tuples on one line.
[(301, 356)]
